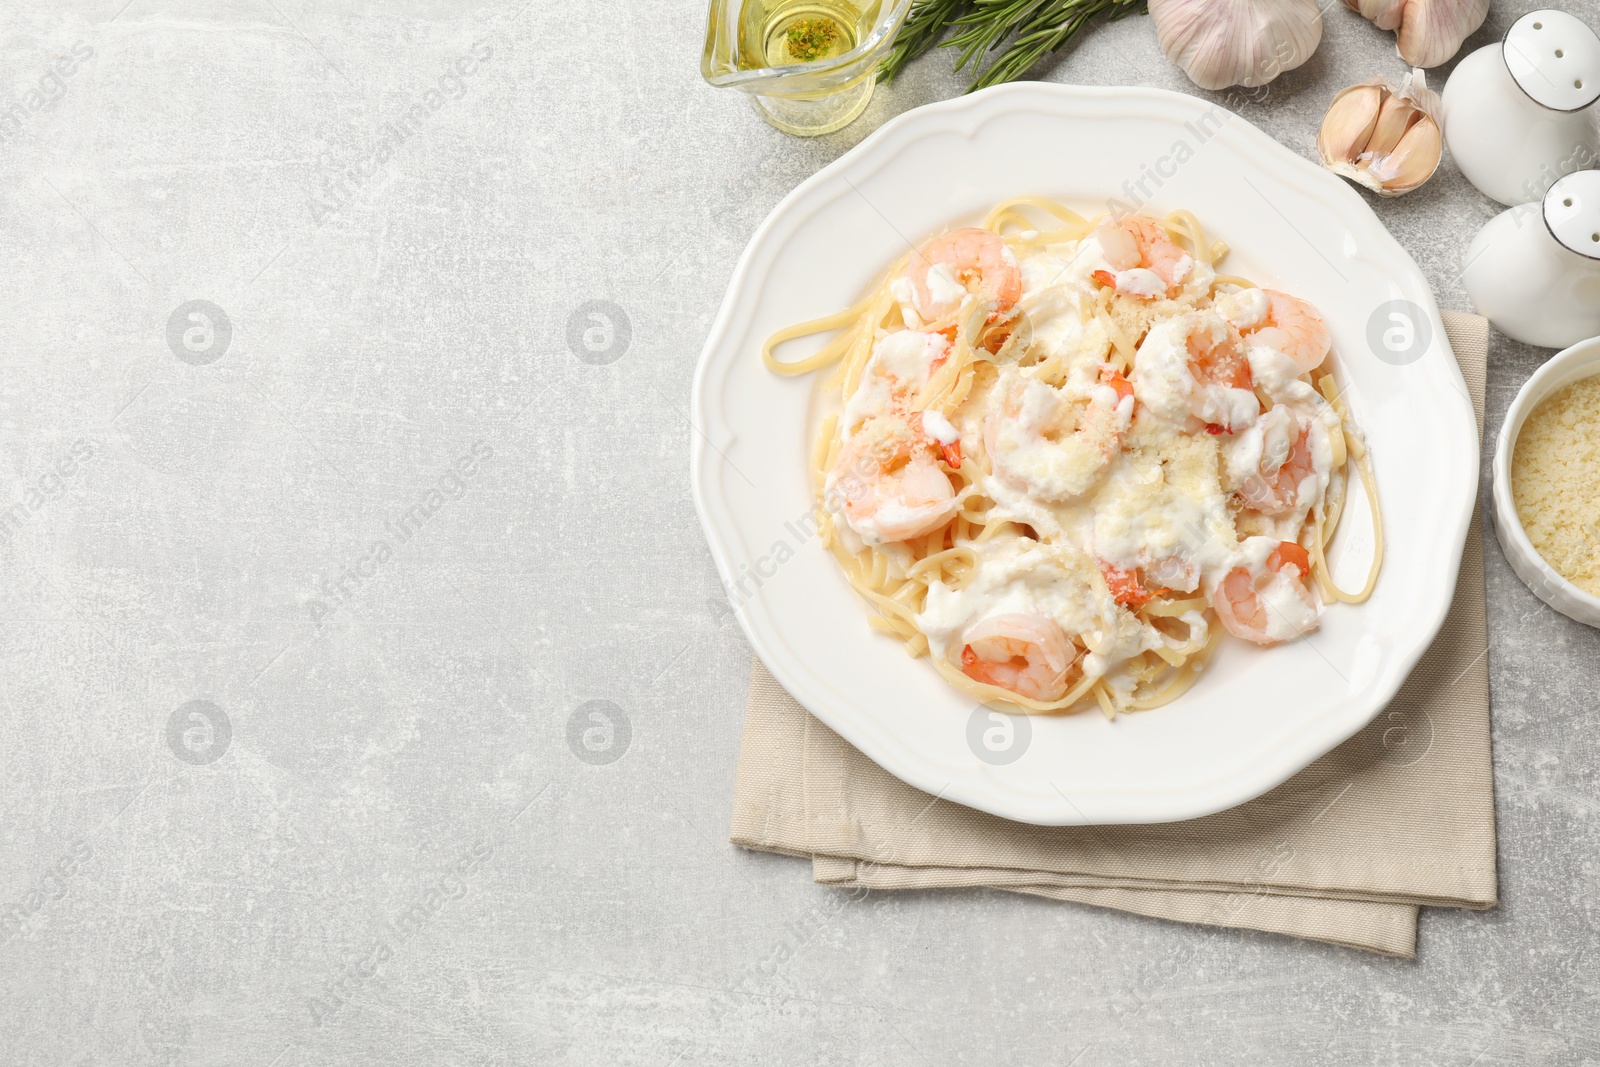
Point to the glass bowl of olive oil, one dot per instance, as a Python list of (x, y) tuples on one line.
[(807, 65)]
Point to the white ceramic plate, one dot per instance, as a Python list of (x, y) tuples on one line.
[(1258, 715)]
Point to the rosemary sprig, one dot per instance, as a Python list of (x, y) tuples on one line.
[(925, 24), (1044, 27), (1035, 28)]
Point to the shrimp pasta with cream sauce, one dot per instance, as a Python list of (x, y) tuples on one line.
[(1062, 457)]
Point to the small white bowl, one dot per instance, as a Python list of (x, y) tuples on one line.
[(1582, 360)]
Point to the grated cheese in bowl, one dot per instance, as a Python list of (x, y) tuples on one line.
[(1555, 482)]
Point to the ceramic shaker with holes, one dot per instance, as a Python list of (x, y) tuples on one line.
[(1534, 270), (1517, 114)]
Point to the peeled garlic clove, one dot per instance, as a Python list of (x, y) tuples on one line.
[(1348, 125), (1430, 31), (1383, 137), (1221, 43)]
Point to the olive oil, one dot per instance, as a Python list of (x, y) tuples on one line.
[(781, 33), (808, 65)]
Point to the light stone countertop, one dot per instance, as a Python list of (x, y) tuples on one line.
[(395, 858)]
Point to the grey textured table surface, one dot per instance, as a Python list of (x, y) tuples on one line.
[(379, 847)]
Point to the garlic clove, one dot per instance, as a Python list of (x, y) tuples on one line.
[(1395, 117), (1348, 125), (1383, 137), (1384, 14), (1430, 32), (1222, 43), (1413, 160)]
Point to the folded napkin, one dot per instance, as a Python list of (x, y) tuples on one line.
[(1399, 816)]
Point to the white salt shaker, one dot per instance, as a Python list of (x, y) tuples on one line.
[(1517, 114), (1534, 270)]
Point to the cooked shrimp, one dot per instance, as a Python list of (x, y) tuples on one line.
[(1137, 587), (1026, 654), (1147, 262), (1195, 365), (1216, 371), (1042, 442), (899, 367), (888, 485), (1285, 323), (1279, 463), (1218, 364), (964, 261), (1267, 602), (1172, 574), (1126, 587)]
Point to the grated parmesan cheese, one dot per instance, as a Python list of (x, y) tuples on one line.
[(1555, 482)]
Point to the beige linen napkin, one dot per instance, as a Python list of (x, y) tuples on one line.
[(1400, 815)]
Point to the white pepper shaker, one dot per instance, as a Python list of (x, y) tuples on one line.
[(1534, 270), (1517, 114)]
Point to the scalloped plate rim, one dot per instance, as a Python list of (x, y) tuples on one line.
[(1341, 720)]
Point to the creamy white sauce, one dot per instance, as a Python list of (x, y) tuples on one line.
[(1198, 627), (1141, 282), (905, 294), (1054, 283), (1228, 407), (899, 367), (1017, 577), (1262, 447), (1246, 309), (1103, 480), (939, 428), (1070, 266), (1161, 378), (1273, 372), (944, 289), (1053, 443), (1164, 383), (1288, 616), (1145, 517)]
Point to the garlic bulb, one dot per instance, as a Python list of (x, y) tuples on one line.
[(1384, 138), (1431, 31), (1220, 43)]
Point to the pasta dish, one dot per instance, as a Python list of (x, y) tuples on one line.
[(1062, 456)]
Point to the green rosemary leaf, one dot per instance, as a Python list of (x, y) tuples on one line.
[(989, 23), (924, 26), (1025, 31), (1048, 25)]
